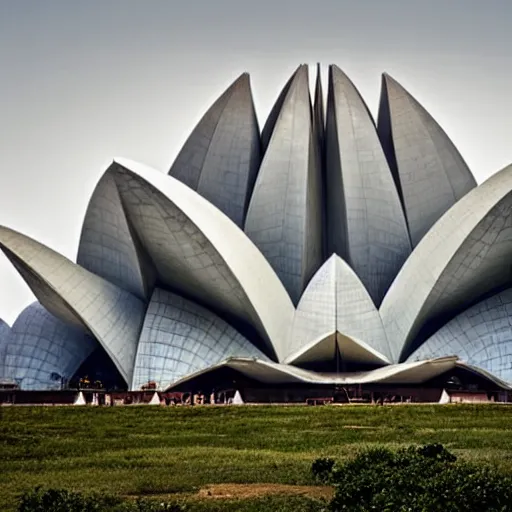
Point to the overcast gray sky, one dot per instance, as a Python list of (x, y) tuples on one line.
[(82, 82)]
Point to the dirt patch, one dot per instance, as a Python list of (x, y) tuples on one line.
[(247, 491)]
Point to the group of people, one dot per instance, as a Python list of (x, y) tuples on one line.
[(200, 398)]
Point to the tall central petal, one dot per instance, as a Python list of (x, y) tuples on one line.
[(284, 219)]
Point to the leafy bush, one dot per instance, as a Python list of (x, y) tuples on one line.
[(435, 451), (60, 500), (322, 468), (422, 479)]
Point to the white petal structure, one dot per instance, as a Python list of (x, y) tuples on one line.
[(270, 124), (481, 336), (322, 243), (221, 157), (108, 247), (4, 329), (430, 173), (201, 253), (274, 373), (42, 351), (319, 131), (4, 338), (365, 222), (180, 337), (78, 297), (318, 111), (284, 219), (465, 255), (336, 308)]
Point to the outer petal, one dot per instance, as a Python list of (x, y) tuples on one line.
[(180, 337), (284, 219), (405, 373), (74, 295), (318, 109), (42, 350), (107, 245), (365, 221), (199, 252), (464, 256), (481, 336), (4, 338), (221, 157), (429, 171), (270, 124), (336, 306), (319, 130), (4, 329)]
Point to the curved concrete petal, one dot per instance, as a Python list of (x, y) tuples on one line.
[(284, 219), (429, 171), (107, 246), (271, 121), (4, 337), (464, 256), (481, 372), (336, 306), (405, 373), (180, 337), (4, 329), (365, 222), (42, 351), (318, 110), (338, 345), (199, 252), (481, 336), (78, 297), (319, 131), (220, 159)]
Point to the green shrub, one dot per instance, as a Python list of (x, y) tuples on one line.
[(61, 500), (322, 468), (424, 479)]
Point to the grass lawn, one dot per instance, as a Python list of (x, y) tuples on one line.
[(184, 452)]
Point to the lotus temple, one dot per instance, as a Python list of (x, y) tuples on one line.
[(324, 250)]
